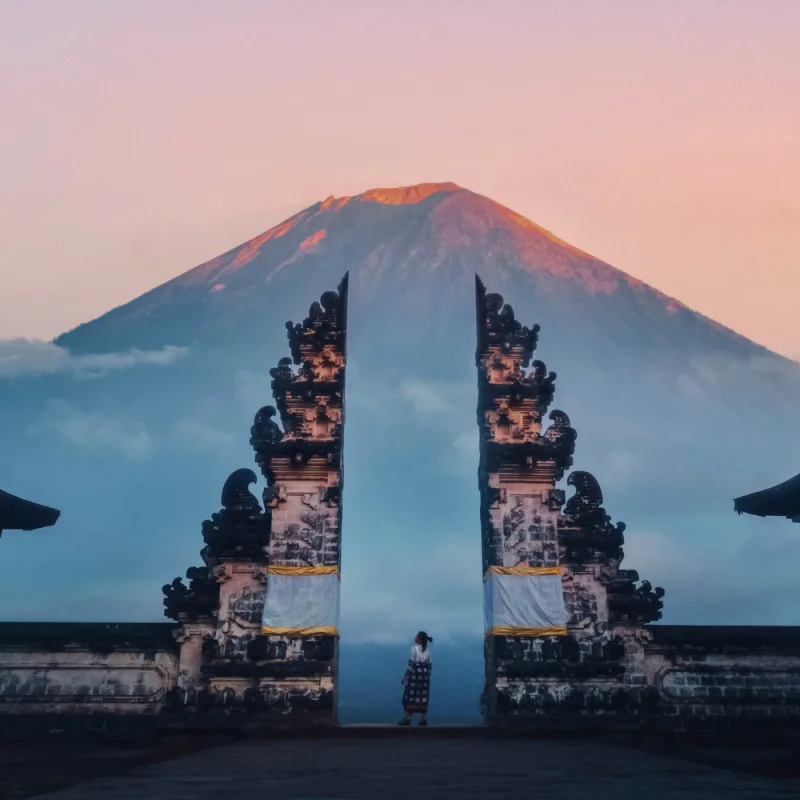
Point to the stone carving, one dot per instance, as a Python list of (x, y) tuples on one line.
[(528, 537), (199, 599), (312, 540), (326, 324), (586, 503), (561, 437), (265, 435), (498, 326), (587, 529), (581, 605), (83, 684), (237, 499), (247, 606), (265, 432), (240, 530), (630, 603), (587, 534), (310, 400)]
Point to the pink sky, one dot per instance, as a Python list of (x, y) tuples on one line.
[(139, 138)]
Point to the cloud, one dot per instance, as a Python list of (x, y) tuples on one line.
[(197, 433), (253, 389), (99, 431), (621, 468), (466, 446), (427, 398), (95, 431), (752, 581), (430, 397), (21, 357)]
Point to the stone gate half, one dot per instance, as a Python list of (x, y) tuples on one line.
[(568, 644), (260, 618), (564, 625)]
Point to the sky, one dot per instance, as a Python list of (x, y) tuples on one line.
[(138, 139)]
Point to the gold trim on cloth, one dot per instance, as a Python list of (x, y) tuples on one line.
[(323, 631), (522, 570), (505, 630), (274, 569)]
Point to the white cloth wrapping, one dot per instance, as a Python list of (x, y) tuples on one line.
[(419, 656), (301, 603), (523, 601)]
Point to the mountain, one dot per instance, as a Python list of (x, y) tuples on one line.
[(148, 409), (437, 234)]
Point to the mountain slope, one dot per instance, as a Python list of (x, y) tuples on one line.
[(384, 237)]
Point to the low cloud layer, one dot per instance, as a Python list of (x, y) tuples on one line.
[(95, 431), (32, 357), (125, 435), (440, 593), (748, 579)]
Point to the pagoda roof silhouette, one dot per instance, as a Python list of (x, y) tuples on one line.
[(17, 514), (782, 500)]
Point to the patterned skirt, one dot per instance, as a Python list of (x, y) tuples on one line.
[(415, 697)]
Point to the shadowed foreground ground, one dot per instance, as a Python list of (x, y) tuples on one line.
[(372, 765)]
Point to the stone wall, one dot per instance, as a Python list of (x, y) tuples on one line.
[(62, 678), (742, 681), (724, 678)]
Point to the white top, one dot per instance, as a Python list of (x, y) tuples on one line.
[(420, 656)]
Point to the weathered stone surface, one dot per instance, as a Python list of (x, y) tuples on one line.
[(725, 679), (55, 676)]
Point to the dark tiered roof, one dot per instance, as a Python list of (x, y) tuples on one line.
[(17, 514), (782, 500)]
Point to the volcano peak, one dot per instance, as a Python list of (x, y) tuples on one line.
[(417, 234), (404, 195)]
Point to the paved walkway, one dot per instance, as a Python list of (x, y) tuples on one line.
[(375, 768)]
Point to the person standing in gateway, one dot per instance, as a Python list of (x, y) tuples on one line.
[(417, 681)]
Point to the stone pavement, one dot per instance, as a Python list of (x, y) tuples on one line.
[(421, 767)]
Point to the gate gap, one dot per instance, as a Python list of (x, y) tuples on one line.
[(411, 552)]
